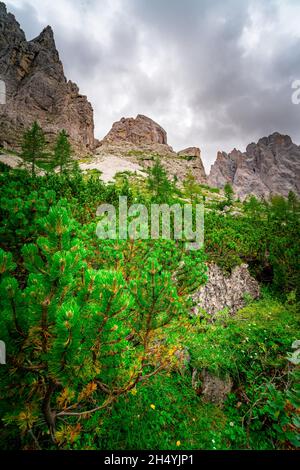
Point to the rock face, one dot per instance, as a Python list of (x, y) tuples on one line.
[(272, 166), (223, 291), (193, 156), (193, 152), (37, 88), (139, 130), (139, 140)]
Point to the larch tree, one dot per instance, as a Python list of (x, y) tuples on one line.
[(62, 151), (33, 146)]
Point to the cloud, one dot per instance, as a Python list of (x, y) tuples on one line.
[(214, 74)]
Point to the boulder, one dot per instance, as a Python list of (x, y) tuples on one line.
[(211, 387), (225, 290)]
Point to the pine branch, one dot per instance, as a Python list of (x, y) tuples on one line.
[(49, 414), (17, 326), (83, 413)]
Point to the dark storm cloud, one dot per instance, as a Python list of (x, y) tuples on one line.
[(216, 74), (237, 94)]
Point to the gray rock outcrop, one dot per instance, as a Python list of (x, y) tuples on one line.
[(141, 139), (225, 291), (211, 387), (139, 130), (37, 88), (192, 152), (272, 166)]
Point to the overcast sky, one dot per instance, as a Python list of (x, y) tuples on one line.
[(215, 74)]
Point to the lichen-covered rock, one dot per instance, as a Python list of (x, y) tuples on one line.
[(211, 387), (272, 166), (37, 89), (225, 291)]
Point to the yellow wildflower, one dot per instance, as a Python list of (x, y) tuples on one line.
[(178, 443), (152, 406)]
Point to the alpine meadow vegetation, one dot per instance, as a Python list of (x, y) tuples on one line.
[(101, 344)]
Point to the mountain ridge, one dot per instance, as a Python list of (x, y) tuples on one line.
[(37, 89), (270, 166)]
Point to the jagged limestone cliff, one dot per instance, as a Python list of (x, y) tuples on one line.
[(37, 88), (272, 166)]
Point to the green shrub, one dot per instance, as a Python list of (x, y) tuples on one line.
[(92, 323)]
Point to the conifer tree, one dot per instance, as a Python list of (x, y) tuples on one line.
[(33, 146), (228, 191), (85, 325), (191, 187), (62, 151), (158, 182)]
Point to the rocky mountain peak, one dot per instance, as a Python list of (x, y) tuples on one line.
[(270, 166), (37, 88), (10, 30), (276, 139), (46, 39), (138, 140), (139, 130)]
